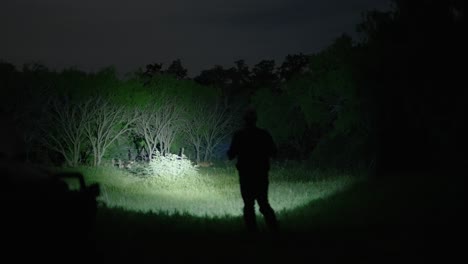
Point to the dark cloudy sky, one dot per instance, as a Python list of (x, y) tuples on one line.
[(91, 34)]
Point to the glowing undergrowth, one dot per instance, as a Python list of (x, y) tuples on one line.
[(211, 192)]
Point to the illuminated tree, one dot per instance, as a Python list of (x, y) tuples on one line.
[(206, 128), (219, 124), (65, 130), (157, 125), (193, 128), (106, 123)]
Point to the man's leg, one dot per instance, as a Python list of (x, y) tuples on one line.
[(265, 207), (248, 196), (249, 209)]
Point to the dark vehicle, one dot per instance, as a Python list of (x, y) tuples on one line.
[(43, 218)]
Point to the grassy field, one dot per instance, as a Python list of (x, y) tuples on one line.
[(199, 216), (212, 192), (325, 217)]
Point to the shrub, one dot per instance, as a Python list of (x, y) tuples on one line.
[(170, 166)]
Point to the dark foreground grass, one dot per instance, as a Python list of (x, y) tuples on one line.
[(399, 218), (392, 220)]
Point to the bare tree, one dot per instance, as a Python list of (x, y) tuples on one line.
[(219, 125), (170, 115), (106, 123), (65, 130), (207, 127), (193, 128), (157, 125)]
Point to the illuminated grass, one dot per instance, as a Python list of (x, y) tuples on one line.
[(213, 192)]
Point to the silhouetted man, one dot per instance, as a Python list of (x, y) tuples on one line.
[(253, 148)]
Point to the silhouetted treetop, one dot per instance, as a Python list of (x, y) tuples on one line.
[(216, 76), (177, 70), (292, 65)]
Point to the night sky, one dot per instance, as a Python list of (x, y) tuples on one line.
[(91, 34)]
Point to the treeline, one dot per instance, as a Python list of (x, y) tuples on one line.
[(309, 104), (74, 117), (372, 104)]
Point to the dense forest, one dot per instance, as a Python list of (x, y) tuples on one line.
[(310, 103)]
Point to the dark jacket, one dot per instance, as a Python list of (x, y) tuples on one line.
[(253, 148)]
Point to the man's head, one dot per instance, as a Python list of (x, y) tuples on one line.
[(250, 117)]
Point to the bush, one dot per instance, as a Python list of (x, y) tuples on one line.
[(170, 166)]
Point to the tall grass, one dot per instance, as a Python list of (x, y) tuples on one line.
[(324, 215), (211, 192)]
